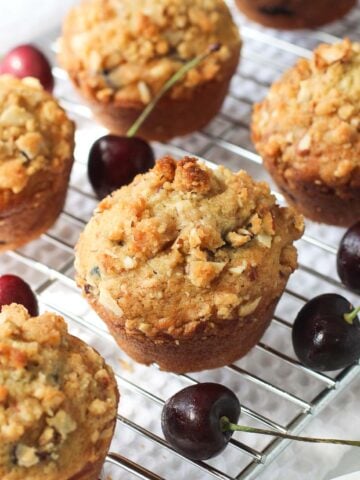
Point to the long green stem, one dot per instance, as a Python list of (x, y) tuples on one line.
[(169, 84), (226, 426), (350, 317)]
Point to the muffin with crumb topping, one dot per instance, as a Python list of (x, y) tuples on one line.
[(36, 156), (308, 132), (58, 400), (186, 264), (119, 53), (294, 14)]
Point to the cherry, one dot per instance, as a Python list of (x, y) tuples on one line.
[(28, 61), (14, 290), (114, 161), (326, 333), (198, 422), (191, 419), (348, 258)]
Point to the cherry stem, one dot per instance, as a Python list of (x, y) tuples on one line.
[(350, 317), (227, 426), (169, 84)]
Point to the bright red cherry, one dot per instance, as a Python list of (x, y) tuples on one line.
[(14, 290), (28, 61)]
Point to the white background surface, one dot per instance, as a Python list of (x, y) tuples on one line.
[(20, 21)]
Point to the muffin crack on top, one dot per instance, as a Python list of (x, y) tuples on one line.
[(126, 50), (184, 249), (35, 133), (57, 399)]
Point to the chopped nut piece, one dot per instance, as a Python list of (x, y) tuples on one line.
[(109, 302), (129, 263), (249, 308), (201, 274), (327, 54), (239, 269), (265, 240), (305, 144), (145, 93), (237, 240), (26, 456)]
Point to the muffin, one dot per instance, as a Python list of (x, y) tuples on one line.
[(186, 265), (308, 132), (119, 53), (294, 14), (36, 156), (58, 400)]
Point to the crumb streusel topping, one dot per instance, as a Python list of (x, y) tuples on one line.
[(184, 245), (54, 390), (35, 133), (126, 50), (310, 120)]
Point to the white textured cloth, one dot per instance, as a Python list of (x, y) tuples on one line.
[(22, 20)]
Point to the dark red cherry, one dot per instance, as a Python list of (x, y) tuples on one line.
[(191, 419), (199, 420), (114, 161), (348, 258), (323, 338), (28, 61), (14, 290)]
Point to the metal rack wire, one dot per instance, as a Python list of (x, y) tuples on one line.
[(50, 260)]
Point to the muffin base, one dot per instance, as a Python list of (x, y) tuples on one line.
[(232, 340), (170, 117), (294, 14), (318, 202), (26, 215), (91, 471)]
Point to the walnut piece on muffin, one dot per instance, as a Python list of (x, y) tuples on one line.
[(119, 53), (186, 264), (308, 132), (294, 14), (58, 400), (36, 156)]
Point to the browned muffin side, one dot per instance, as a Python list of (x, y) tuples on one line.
[(186, 264), (36, 156), (308, 132), (58, 400), (119, 53), (294, 14)]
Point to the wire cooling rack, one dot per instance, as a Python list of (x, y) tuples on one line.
[(275, 390)]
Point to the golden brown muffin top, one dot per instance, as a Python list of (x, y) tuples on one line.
[(184, 245), (35, 133), (57, 397), (125, 50), (310, 120)]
